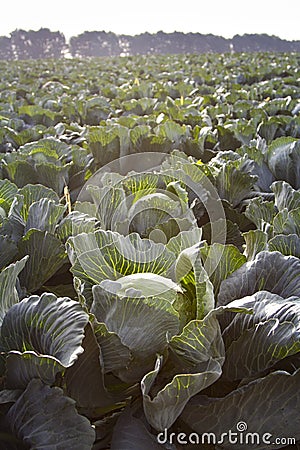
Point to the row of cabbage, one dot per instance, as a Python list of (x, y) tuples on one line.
[(161, 291)]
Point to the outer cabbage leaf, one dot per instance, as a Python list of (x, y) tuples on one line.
[(43, 417), (131, 433), (92, 397), (53, 176), (111, 206), (104, 143), (46, 255), (8, 251), (44, 215), (20, 172), (254, 343), (21, 368), (75, 223), (8, 190), (32, 193), (220, 261), (256, 242), (198, 354), (8, 292), (42, 326), (184, 240), (284, 160), (108, 255), (285, 196), (233, 184), (266, 405), (157, 209), (287, 222), (233, 233), (14, 224), (23, 170), (261, 213), (115, 355), (285, 244), (143, 323), (191, 274), (269, 271)]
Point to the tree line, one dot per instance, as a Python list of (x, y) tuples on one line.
[(44, 44)]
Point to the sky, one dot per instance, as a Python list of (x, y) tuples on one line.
[(219, 17)]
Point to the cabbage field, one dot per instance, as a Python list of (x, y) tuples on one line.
[(150, 253)]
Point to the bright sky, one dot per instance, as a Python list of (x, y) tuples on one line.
[(219, 17)]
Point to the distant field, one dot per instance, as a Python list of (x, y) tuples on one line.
[(149, 252)]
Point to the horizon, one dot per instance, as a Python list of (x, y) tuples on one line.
[(225, 19), (148, 32)]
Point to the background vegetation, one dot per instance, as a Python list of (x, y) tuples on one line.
[(44, 43)]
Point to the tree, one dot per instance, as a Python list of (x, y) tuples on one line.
[(95, 43), (39, 44), (6, 51)]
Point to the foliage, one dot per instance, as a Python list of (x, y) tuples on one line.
[(49, 44), (150, 245)]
